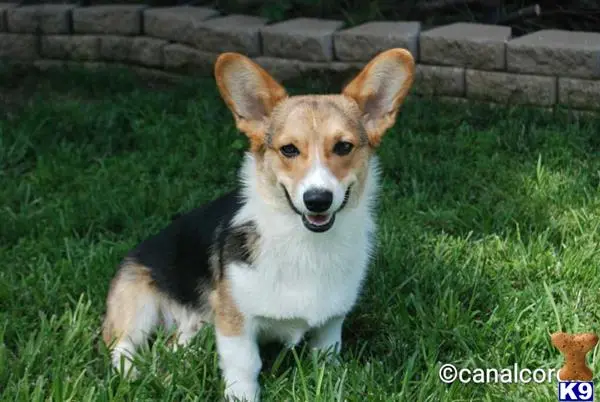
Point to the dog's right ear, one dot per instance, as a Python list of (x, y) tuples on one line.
[(250, 93)]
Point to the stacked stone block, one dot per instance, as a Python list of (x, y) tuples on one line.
[(461, 60)]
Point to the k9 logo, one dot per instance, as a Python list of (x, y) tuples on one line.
[(575, 391)]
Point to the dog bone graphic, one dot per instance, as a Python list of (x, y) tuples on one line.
[(574, 348)]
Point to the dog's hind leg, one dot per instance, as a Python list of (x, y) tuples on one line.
[(133, 313), (187, 321)]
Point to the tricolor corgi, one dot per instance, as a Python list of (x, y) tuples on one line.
[(283, 256)]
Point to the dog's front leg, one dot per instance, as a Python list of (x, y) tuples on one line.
[(240, 363), (328, 337)]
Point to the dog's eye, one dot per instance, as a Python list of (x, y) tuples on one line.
[(342, 148), (289, 151)]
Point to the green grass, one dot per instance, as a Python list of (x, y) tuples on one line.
[(488, 242)]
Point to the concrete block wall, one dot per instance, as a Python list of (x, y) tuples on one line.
[(461, 60)]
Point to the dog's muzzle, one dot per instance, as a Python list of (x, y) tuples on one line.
[(317, 223)]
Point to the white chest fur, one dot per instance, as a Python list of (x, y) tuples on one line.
[(303, 275), (300, 277)]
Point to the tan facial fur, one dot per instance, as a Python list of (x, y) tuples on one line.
[(271, 119), (314, 124)]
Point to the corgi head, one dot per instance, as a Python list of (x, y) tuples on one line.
[(313, 151)]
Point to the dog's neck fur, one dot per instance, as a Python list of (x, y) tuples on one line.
[(266, 205)]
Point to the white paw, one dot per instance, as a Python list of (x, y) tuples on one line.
[(245, 391), (334, 360), (126, 369), (331, 354), (181, 342)]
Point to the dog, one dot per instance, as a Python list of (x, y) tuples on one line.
[(284, 256)]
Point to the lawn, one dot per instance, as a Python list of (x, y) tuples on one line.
[(488, 241)]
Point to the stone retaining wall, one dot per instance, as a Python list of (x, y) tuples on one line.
[(462, 60)]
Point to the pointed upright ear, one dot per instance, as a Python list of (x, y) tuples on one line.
[(379, 90), (250, 93)]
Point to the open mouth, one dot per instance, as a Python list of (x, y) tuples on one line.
[(318, 222)]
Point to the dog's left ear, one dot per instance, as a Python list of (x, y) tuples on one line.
[(250, 93), (380, 88)]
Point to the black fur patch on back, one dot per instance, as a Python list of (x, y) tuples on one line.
[(180, 256)]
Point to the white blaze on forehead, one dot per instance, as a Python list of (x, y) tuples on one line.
[(320, 177), (314, 120)]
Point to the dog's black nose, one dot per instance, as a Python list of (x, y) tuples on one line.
[(318, 200)]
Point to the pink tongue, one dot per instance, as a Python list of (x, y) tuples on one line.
[(318, 219)]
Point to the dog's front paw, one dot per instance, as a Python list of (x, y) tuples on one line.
[(330, 356), (123, 366), (333, 359), (243, 391)]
